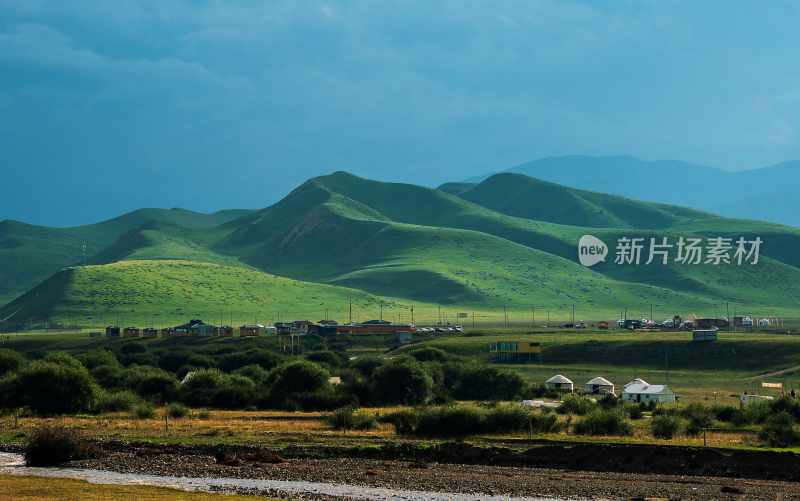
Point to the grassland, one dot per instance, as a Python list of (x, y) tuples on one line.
[(402, 244), (27, 488)]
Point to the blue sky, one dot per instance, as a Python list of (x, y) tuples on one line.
[(108, 106)]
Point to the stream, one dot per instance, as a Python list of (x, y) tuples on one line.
[(14, 464)]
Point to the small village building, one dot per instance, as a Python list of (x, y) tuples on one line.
[(644, 392), (150, 332), (251, 330), (167, 332), (224, 331), (112, 331), (515, 351), (559, 383), (202, 329), (334, 380), (95, 334), (602, 324), (131, 332), (599, 386)]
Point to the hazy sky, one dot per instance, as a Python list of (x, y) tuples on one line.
[(107, 106)]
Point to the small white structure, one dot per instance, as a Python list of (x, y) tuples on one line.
[(635, 381), (763, 323), (747, 399), (559, 383), (643, 392), (599, 386), (539, 404)]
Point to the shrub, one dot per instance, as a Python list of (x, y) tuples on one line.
[(665, 427), (608, 401), (366, 365), (346, 418), (405, 422), (604, 422), (452, 421), (109, 376), (177, 410), (51, 446), (64, 359), (429, 354), (544, 423), (786, 404), (200, 387), (254, 372), (576, 404), (754, 413), (203, 414), (255, 356), (484, 383), (10, 361), (507, 419), (724, 413), (231, 395), (402, 383), (778, 431), (634, 411), (152, 383), (326, 358), (144, 410), (96, 358), (297, 377), (48, 388), (699, 417), (117, 401)]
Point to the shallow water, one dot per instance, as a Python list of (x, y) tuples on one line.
[(14, 464)]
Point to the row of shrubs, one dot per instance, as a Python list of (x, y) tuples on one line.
[(96, 381)]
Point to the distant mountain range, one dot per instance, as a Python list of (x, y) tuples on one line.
[(509, 241), (767, 194)]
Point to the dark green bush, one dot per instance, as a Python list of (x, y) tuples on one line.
[(786, 404), (258, 356), (10, 361), (724, 413), (454, 421), (347, 418), (52, 446), (604, 422), (405, 422), (778, 431), (144, 410), (96, 358), (429, 354), (404, 382), (117, 401), (177, 410), (634, 411), (48, 388), (297, 377), (254, 372), (475, 382), (507, 419), (366, 365), (109, 376), (665, 427), (544, 423), (576, 404), (326, 358), (152, 383), (63, 359)]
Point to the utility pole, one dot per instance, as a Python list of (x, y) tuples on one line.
[(350, 298), (381, 311), (412, 315), (651, 311), (573, 314), (728, 314), (505, 316), (473, 319)]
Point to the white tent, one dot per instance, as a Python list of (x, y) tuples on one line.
[(643, 392), (559, 382), (599, 385), (636, 381)]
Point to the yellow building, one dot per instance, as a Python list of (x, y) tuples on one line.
[(515, 351)]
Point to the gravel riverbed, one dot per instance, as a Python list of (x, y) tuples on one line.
[(446, 478)]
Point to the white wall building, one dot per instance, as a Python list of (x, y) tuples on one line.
[(644, 392), (598, 386)]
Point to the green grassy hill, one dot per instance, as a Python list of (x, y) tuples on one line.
[(168, 292), (526, 197), (427, 247), (29, 254)]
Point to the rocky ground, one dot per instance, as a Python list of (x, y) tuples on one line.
[(452, 478)]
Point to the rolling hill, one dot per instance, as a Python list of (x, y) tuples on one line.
[(29, 254), (507, 242), (765, 193)]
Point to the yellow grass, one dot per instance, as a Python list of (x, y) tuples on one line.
[(40, 489), (232, 426)]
